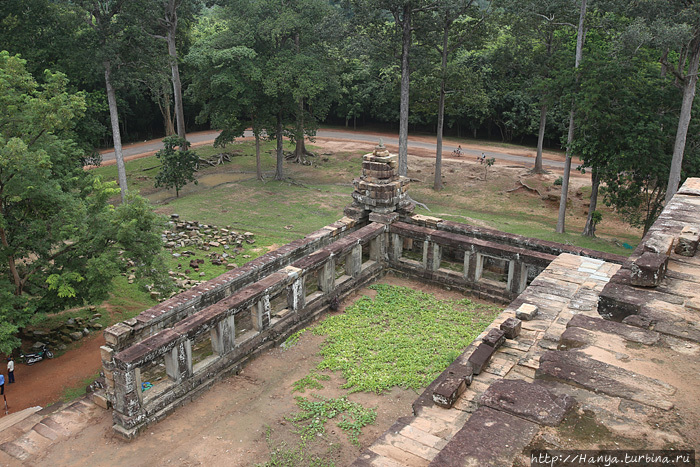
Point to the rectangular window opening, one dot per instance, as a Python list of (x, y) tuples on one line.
[(202, 351), (452, 260), (494, 271)]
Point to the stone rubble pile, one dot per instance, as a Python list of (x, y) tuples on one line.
[(203, 237), (73, 329)]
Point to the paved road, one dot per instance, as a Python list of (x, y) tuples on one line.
[(207, 137)]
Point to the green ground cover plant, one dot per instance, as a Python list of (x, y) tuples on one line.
[(402, 337), (311, 421)]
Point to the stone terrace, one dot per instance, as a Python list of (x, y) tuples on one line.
[(571, 379)]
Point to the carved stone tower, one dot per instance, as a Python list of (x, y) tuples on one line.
[(380, 193)]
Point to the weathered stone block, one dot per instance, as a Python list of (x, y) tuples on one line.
[(688, 241), (481, 356), (526, 311), (449, 390), (638, 321), (648, 270), (106, 353), (490, 438), (383, 218), (494, 338), (511, 327), (659, 243), (527, 400), (117, 335)]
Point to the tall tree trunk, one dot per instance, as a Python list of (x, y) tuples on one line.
[(177, 86), (300, 147), (405, 72), (258, 168), (589, 229), (580, 37), (116, 134), (279, 175), (538, 169), (167, 114), (691, 79), (441, 113)]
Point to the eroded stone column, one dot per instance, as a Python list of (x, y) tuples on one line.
[(353, 263), (178, 361), (223, 336)]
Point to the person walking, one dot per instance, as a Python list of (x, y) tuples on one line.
[(10, 370)]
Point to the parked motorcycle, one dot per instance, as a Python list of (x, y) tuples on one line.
[(32, 358)]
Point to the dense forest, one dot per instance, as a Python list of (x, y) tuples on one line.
[(612, 82)]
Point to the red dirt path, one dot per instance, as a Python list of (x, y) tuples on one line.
[(44, 383)]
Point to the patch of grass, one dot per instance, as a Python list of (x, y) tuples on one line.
[(293, 339), (311, 421), (75, 392), (282, 455), (401, 338), (127, 300), (310, 381)]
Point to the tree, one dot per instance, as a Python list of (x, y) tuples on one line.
[(59, 238), (161, 19), (103, 16), (177, 167), (624, 129), (580, 37), (450, 16), (403, 13)]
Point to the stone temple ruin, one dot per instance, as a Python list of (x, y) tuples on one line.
[(551, 348)]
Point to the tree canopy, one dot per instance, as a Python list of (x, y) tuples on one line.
[(59, 237)]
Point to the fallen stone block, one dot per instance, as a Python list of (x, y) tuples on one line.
[(639, 321), (648, 270), (688, 241), (626, 331), (494, 338), (454, 382), (511, 327), (577, 368), (481, 356), (526, 311), (659, 243), (527, 400), (449, 390), (490, 438)]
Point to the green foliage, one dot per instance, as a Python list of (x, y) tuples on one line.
[(283, 456), (401, 338), (596, 217), (311, 421), (293, 339), (61, 240), (310, 381), (558, 181), (177, 165)]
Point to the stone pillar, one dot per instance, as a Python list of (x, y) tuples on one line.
[(511, 272), (326, 276), (353, 262), (296, 297), (396, 247), (127, 399), (178, 361), (426, 247), (261, 314), (479, 267), (223, 335), (377, 248), (517, 280), (433, 257), (467, 264)]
